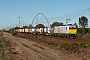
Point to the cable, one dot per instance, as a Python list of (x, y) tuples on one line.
[(72, 15)]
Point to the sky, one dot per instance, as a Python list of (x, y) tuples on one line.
[(53, 10)]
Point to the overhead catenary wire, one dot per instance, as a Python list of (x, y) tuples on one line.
[(71, 15), (63, 18)]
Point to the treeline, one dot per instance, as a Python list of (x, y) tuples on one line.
[(86, 30)]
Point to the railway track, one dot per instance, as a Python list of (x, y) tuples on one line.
[(76, 40)]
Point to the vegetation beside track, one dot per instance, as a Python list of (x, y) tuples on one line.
[(81, 48), (5, 48)]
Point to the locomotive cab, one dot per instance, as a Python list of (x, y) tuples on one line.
[(72, 31)]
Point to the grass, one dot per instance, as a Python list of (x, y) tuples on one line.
[(84, 44), (77, 48), (70, 47), (6, 49), (88, 43)]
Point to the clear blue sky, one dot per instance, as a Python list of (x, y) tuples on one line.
[(54, 10)]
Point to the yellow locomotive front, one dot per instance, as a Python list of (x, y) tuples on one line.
[(72, 31)]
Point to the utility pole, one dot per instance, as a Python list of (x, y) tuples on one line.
[(19, 20)]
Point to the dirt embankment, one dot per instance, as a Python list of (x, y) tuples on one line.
[(30, 50)]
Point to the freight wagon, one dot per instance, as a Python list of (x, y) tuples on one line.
[(47, 31)]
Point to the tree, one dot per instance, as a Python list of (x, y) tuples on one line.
[(83, 22), (75, 25), (17, 27), (39, 26), (3, 29), (30, 26), (25, 26), (56, 24)]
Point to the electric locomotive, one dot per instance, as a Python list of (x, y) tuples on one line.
[(65, 31)]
